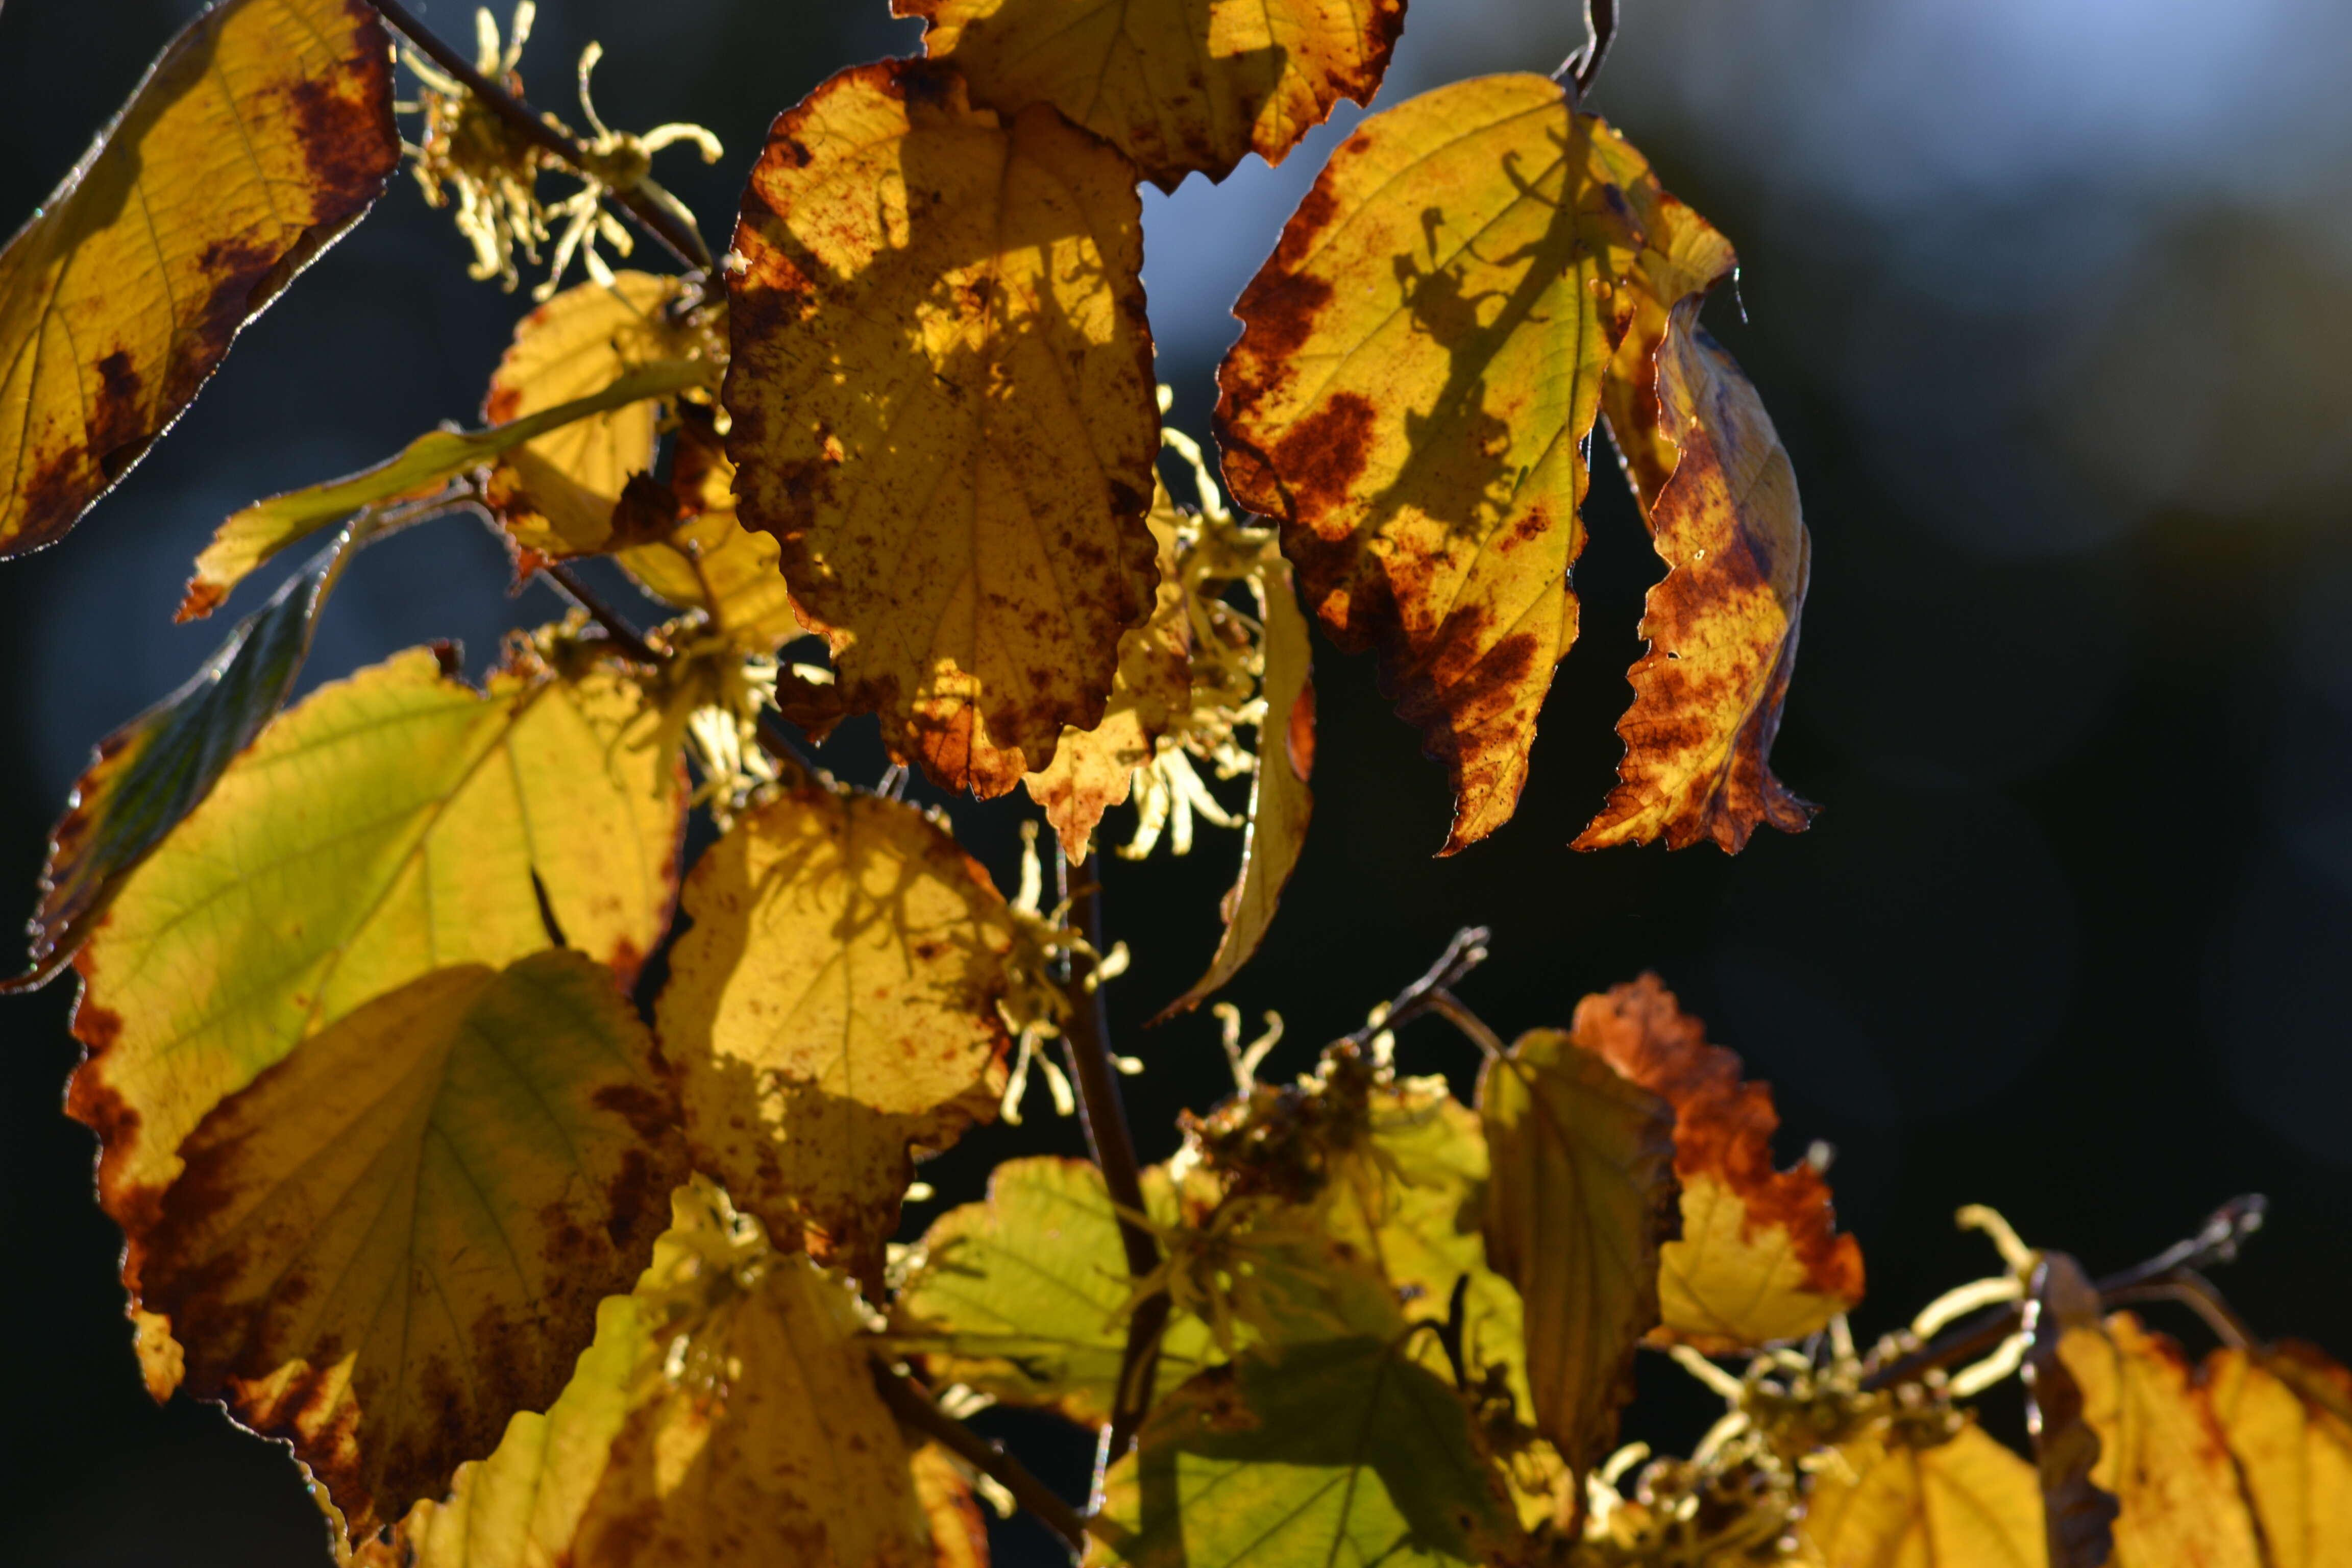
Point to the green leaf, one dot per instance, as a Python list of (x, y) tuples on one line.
[(396, 1237), (252, 536), (1020, 1297), (149, 775), (1341, 1451), (256, 140)]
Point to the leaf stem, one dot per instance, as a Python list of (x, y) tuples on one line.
[(914, 1407), (681, 237), (2173, 1274), (626, 639)]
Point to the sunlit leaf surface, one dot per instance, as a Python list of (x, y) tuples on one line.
[(1966, 1502), (1178, 85), (697, 555), (261, 134), (2287, 1418), (944, 407)]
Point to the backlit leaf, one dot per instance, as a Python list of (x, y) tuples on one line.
[(700, 557), (1759, 1258), (1421, 361), (1580, 1195), (1342, 1451), (261, 134), (2161, 1451), (834, 1003), (1020, 1297), (1178, 85), (958, 1532), (396, 1237), (149, 775), (1093, 770), (1965, 1502), (944, 408), (1721, 501), (555, 494), (2287, 1419), (391, 825), (252, 536), (1280, 801)]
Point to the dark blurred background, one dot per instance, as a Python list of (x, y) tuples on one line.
[(2052, 302)]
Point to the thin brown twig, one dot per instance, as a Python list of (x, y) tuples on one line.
[(2166, 1276), (1465, 953), (1448, 1006), (626, 639), (1599, 31), (915, 1409), (681, 237)]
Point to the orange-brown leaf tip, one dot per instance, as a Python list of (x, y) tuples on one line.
[(1760, 1257), (959, 477)]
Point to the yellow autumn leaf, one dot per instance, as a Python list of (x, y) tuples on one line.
[(700, 556), (1280, 802), (555, 494), (1177, 85), (1579, 1197), (834, 1003), (2162, 1454), (396, 1237), (261, 134), (2286, 1416), (944, 408), (1760, 1259), (1887, 1499), (392, 824), (958, 1532), (1421, 361), (1093, 770), (1721, 498)]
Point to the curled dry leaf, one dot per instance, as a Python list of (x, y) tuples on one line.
[(1421, 361), (392, 824), (262, 133), (1020, 1297), (395, 1238), (1177, 85), (555, 494), (1760, 1259), (944, 409), (695, 554), (1580, 1198), (1721, 498), (149, 775), (2078, 1514), (834, 1004), (1338, 1451), (1963, 1501)]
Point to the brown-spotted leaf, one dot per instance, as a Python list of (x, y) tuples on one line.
[(2286, 1416), (1093, 770), (694, 552), (944, 1489), (1579, 1197), (1177, 85), (395, 1238), (1420, 364), (555, 495), (260, 135), (1280, 803), (392, 824), (1721, 498), (2162, 1454), (835, 1002), (1893, 1498), (944, 409), (1760, 1259)]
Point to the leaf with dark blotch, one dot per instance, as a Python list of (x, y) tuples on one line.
[(149, 775), (2079, 1514), (944, 409), (1421, 361), (259, 137), (1760, 1259), (1178, 85), (1340, 1451), (392, 824), (1280, 803), (832, 1004), (395, 1238), (251, 537), (1580, 1198), (682, 543)]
